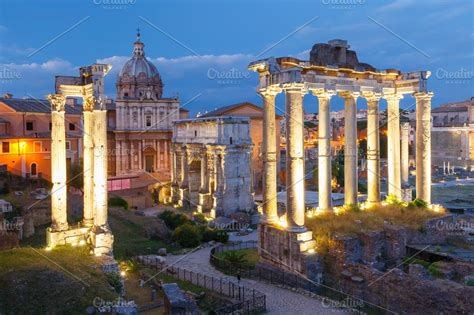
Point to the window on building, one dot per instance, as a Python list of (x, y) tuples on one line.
[(37, 146), (125, 94), (5, 147), (72, 126), (195, 133), (50, 126), (68, 145), (148, 121), (30, 125), (33, 169), (230, 140)]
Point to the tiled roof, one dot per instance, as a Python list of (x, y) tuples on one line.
[(453, 107), (226, 109), (31, 105)]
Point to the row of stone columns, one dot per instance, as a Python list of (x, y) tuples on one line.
[(94, 163), (295, 172)]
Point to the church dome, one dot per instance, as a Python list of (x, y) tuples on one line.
[(139, 78)]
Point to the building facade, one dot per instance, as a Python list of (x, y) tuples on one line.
[(211, 165), (144, 119), (25, 135), (453, 134)]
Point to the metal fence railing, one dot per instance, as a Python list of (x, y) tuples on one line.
[(246, 300), (274, 275)]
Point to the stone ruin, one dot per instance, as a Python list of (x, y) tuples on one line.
[(94, 228)]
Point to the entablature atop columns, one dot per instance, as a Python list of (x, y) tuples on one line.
[(276, 73)]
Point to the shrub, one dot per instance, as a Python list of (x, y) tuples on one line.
[(173, 220), (393, 200), (221, 236), (116, 201), (200, 218), (217, 235), (420, 203), (187, 235)]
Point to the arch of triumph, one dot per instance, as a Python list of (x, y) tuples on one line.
[(94, 228), (333, 70)]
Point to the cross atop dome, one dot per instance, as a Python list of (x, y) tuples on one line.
[(138, 34)]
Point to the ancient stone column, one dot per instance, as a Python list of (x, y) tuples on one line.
[(405, 154), (373, 149), (58, 163), (295, 172), (350, 148), (100, 164), (269, 156), (88, 162), (324, 151), (423, 145), (393, 145)]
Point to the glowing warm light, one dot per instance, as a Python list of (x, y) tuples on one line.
[(123, 273), (436, 208), (339, 210), (98, 254), (282, 222), (311, 251), (48, 248), (82, 243)]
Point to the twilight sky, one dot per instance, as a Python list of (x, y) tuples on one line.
[(202, 48)]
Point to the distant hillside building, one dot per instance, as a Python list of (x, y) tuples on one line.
[(452, 134)]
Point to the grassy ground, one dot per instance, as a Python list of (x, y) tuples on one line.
[(62, 281), (130, 237), (352, 222), (250, 256)]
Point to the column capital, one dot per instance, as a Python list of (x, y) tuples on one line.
[(423, 95), (393, 97), (295, 88), (88, 103), (323, 93), (349, 94), (269, 91), (405, 125), (58, 102), (371, 97)]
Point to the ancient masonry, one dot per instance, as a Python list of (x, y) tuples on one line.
[(94, 228), (211, 165), (334, 69)]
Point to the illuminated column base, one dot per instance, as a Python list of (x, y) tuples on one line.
[(294, 252)]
